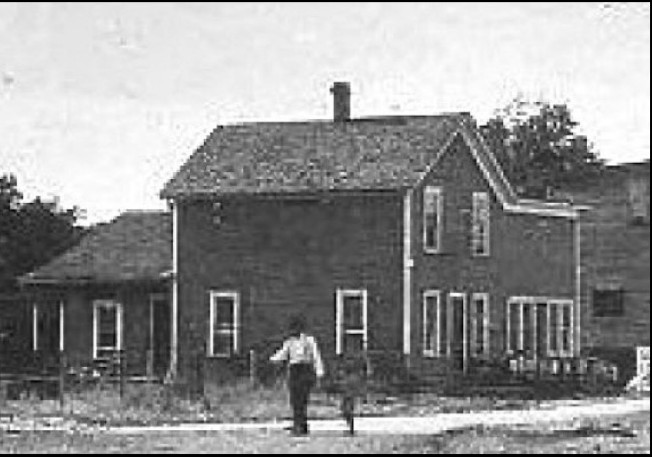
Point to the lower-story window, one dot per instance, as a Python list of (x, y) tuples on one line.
[(432, 313), (455, 323), (351, 321), (107, 328), (540, 327), (479, 324), (224, 321)]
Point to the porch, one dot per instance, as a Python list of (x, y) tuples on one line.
[(94, 330)]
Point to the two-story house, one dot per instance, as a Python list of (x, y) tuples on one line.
[(393, 235)]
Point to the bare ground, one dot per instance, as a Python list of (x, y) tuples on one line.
[(626, 434)]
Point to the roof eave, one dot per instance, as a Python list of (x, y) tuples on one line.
[(163, 277)]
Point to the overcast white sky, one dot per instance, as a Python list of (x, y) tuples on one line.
[(101, 103)]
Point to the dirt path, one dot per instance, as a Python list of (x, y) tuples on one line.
[(552, 412)]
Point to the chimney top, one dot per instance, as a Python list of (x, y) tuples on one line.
[(341, 101)]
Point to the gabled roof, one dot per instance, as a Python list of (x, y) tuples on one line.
[(135, 246), (375, 153), (361, 154)]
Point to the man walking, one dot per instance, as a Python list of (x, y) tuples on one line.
[(302, 354)]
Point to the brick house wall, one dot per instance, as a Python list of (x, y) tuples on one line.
[(530, 255), (287, 254)]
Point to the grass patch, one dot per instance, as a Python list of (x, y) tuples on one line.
[(159, 404), (156, 404)]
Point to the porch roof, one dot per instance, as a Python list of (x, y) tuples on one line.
[(135, 246)]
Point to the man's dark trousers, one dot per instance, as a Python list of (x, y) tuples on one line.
[(302, 379)]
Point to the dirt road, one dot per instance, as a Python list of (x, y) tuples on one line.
[(553, 412)]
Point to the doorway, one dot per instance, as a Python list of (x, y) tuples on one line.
[(458, 331), (159, 335), (46, 327)]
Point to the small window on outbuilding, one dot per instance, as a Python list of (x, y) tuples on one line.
[(608, 302)]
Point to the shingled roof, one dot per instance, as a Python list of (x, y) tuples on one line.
[(373, 153), (360, 154), (135, 246)]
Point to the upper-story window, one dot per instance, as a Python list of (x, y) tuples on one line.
[(639, 201), (480, 224), (432, 218)]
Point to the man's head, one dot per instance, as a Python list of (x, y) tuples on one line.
[(297, 324)]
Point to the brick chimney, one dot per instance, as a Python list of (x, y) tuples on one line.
[(341, 101)]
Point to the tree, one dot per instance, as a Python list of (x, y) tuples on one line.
[(539, 148), (31, 233), (10, 198)]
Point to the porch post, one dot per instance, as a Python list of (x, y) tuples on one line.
[(174, 342), (408, 263), (61, 326), (577, 308), (35, 326)]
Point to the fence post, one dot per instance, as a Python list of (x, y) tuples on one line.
[(252, 367), (199, 388), (62, 378), (121, 373), (149, 355)]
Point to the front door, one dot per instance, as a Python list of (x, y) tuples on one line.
[(46, 331), (159, 334), (458, 326)]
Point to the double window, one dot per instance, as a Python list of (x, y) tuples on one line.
[(107, 328), (224, 321), (433, 210), (351, 321), (444, 322), (540, 327)]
